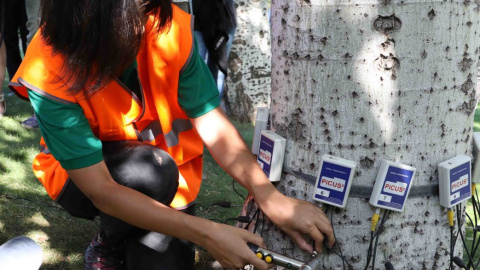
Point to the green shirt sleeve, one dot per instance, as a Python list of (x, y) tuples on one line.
[(197, 91), (66, 132)]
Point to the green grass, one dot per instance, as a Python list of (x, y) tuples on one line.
[(26, 209), (476, 121)]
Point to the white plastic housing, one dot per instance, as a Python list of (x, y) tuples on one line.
[(476, 156), (270, 154), (454, 180), (392, 185), (334, 180), (261, 121)]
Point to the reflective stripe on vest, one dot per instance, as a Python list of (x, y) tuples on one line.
[(44, 149), (178, 125), (149, 133), (154, 129)]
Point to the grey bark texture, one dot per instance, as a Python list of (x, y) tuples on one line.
[(248, 80), (367, 81)]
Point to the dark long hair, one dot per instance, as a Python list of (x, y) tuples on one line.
[(98, 38)]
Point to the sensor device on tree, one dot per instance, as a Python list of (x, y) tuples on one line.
[(334, 180), (261, 121), (392, 185), (454, 181), (270, 154)]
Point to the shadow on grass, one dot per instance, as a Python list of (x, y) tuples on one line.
[(25, 208), (62, 237)]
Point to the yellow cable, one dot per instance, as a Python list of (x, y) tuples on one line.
[(450, 217), (474, 186), (375, 218)]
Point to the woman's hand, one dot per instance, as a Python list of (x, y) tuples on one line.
[(228, 245), (298, 218)]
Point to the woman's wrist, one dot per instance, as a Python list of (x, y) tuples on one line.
[(201, 231), (270, 202)]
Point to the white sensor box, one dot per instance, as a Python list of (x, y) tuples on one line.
[(454, 180), (270, 155), (476, 156), (261, 121), (334, 180), (392, 185)]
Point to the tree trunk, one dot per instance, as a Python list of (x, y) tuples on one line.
[(367, 81), (248, 80)]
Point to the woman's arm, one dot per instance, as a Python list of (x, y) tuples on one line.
[(131, 206), (293, 216)]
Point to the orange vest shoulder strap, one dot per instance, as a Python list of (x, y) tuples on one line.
[(39, 72)]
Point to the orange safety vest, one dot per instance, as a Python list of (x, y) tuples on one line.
[(115, 114)]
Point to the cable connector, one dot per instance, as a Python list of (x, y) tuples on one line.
[(243, 219), (459, 262), (474, 186), (389, 266), (224, 204), (375, 218), (450, 217)]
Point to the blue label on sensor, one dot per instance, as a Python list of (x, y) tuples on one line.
[(264, 157), (395, 188), (460, 183), (332, 183)]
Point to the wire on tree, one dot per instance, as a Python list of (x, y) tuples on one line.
[(459, 226), (450, 217), (339, 254), (373, 227), (379, 231)]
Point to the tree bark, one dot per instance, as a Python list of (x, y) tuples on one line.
[(367, 81), (248, 80)]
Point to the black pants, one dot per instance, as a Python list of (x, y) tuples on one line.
[(154, 173), (14, 18)]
